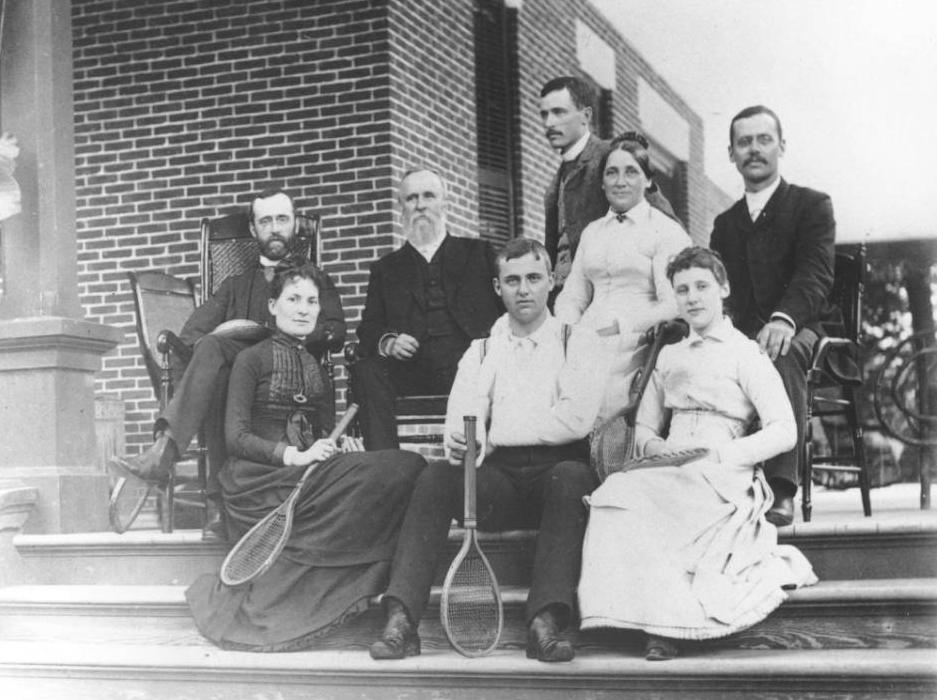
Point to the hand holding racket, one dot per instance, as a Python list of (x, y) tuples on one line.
[(260, 546), (471, 611)]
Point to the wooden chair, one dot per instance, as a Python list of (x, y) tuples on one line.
[(227, 247), (162, 304), (825, 376), (426, 412)]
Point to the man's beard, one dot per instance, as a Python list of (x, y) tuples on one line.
[(277, 252), (424, 231)]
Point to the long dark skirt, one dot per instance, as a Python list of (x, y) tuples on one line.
[(344, 533)]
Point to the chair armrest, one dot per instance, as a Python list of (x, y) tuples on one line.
[(352, 354), (821, 363), (168, 342)]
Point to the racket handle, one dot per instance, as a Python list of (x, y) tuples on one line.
[(337, 431), (469, 466), (344, 422)]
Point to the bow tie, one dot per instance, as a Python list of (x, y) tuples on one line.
[(284, 264), (621, 216)]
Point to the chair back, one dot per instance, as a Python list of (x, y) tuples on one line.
[(162, 302), (228, 248), (848, 287)]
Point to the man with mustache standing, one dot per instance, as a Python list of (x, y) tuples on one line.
[(575, 198), (200, 387), (777, 243), (426, 302)]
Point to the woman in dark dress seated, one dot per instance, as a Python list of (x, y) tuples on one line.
[(347, 518)]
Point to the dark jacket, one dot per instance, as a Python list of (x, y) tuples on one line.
[(395, 302), (583, 197), (245, 296), (781, 262)]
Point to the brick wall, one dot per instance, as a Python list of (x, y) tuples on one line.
[(547, 48), (432, 73), (184, 108)]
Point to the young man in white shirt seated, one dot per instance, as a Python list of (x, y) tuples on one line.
[(535, 388)]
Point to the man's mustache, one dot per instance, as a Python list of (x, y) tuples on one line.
[(756, 159)]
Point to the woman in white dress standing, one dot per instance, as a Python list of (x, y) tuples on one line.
[(618, 284), (684, 552)]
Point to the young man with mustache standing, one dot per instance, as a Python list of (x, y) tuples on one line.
[(777, 243), (575, 197), (200, 386)]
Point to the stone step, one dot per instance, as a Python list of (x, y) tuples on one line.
[(884, 613), (859, 549), (108, 671)]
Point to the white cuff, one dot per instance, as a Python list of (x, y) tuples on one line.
[(381, 349), (781, 316)]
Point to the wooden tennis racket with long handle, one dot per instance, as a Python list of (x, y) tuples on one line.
[(260, 546), (471, 611)]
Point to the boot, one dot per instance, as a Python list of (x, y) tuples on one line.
[(544, 642), (156, 463), (399, 638), (660, 648)]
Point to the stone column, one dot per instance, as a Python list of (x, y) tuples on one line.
[(48, 353)]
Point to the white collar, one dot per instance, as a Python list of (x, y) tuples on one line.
[(267, 262), (721, 332), (574, 151), (502, 329), (756, 201), (640, 211)]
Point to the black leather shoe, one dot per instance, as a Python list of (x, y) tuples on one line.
[(782, 512), (399, 639), (659, 649), (216, 524), (155, 464), (544, 642)]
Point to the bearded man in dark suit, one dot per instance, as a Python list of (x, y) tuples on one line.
[(777, 243), (201, 383), (426, 302)]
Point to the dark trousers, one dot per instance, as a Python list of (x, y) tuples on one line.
[(783, 471), (378, 381), (198, 400), (518, 487)]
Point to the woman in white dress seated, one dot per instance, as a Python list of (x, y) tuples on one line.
[(684, 552), (618, 284)]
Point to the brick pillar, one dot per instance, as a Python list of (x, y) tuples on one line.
[(48, 353)]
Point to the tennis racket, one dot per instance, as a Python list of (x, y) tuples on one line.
[(260, 546), (470, 609), (127, 500), (666, 459)]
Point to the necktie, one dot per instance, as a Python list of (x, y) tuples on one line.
[(284, 264)]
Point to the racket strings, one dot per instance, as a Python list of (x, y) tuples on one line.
[(129, 497), (255, 550), (473, 610)]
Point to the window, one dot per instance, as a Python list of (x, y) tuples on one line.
[(497, 106), (670, 175)]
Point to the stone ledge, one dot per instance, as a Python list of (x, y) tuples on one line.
[(47, 342), (16, 503)]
